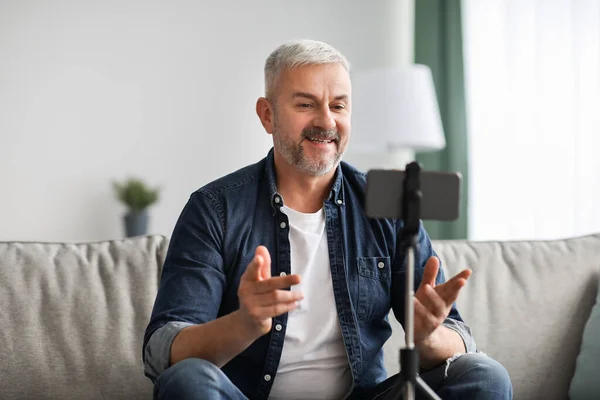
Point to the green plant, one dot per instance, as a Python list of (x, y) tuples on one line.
[(135, 194)]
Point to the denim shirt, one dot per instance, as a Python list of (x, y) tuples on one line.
[(215, 238)]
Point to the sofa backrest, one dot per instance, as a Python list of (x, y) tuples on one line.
[(72, 318), (527, 303)]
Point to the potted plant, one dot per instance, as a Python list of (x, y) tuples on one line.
[(137, 197)]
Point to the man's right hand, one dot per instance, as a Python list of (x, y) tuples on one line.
[(263, 297)]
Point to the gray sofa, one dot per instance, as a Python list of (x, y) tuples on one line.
[(73, 315)]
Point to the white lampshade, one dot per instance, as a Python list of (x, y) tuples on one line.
[(395, 108)]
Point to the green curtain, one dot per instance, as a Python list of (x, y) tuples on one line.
[(438, 44)]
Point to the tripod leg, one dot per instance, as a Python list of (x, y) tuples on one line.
[(426, 389), (408, 391)]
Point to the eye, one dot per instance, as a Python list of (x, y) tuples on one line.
[(304, 105), (339, 107)]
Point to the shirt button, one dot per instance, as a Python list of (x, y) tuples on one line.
[(282, 225), (282, 274), (340, 201), (381, 264), (278, 327), (277, 199), (267, 377)]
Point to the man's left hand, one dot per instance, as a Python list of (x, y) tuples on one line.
[(433, 302)]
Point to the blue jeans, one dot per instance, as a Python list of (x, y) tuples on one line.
[(469, 376)]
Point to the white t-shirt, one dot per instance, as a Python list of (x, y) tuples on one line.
[(314, 363)]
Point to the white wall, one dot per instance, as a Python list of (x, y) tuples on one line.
[(92, 91)]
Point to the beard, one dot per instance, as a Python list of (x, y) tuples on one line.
[(293, 153)]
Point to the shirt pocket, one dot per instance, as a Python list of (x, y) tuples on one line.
[(374, 280)]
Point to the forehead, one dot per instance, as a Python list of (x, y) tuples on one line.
[(331, 79)]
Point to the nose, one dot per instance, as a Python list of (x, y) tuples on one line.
[(324, 119)]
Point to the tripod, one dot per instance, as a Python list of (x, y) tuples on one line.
[(409, 356)]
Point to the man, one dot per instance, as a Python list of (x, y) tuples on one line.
[(277, 285)]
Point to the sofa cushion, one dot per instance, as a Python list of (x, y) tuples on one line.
[(586, 382), (73, 318), (527, 303)]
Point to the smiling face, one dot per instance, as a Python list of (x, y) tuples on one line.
[(311, 117)]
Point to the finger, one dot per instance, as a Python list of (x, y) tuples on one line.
[(252, 272), (273, 310), (449, 291), (276, 297), (430, 272), (433, 302), (265, 265), (280, 308), (280, 282), (462, 275)]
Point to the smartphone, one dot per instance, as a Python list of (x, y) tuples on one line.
[(440, 191)]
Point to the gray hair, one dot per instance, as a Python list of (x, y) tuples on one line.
[(299, 53)]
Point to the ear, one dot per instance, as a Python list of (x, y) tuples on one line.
[(264, 110)]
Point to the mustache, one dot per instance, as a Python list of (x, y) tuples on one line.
[(321, 134)]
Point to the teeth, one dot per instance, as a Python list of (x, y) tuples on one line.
[(319, 141)]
